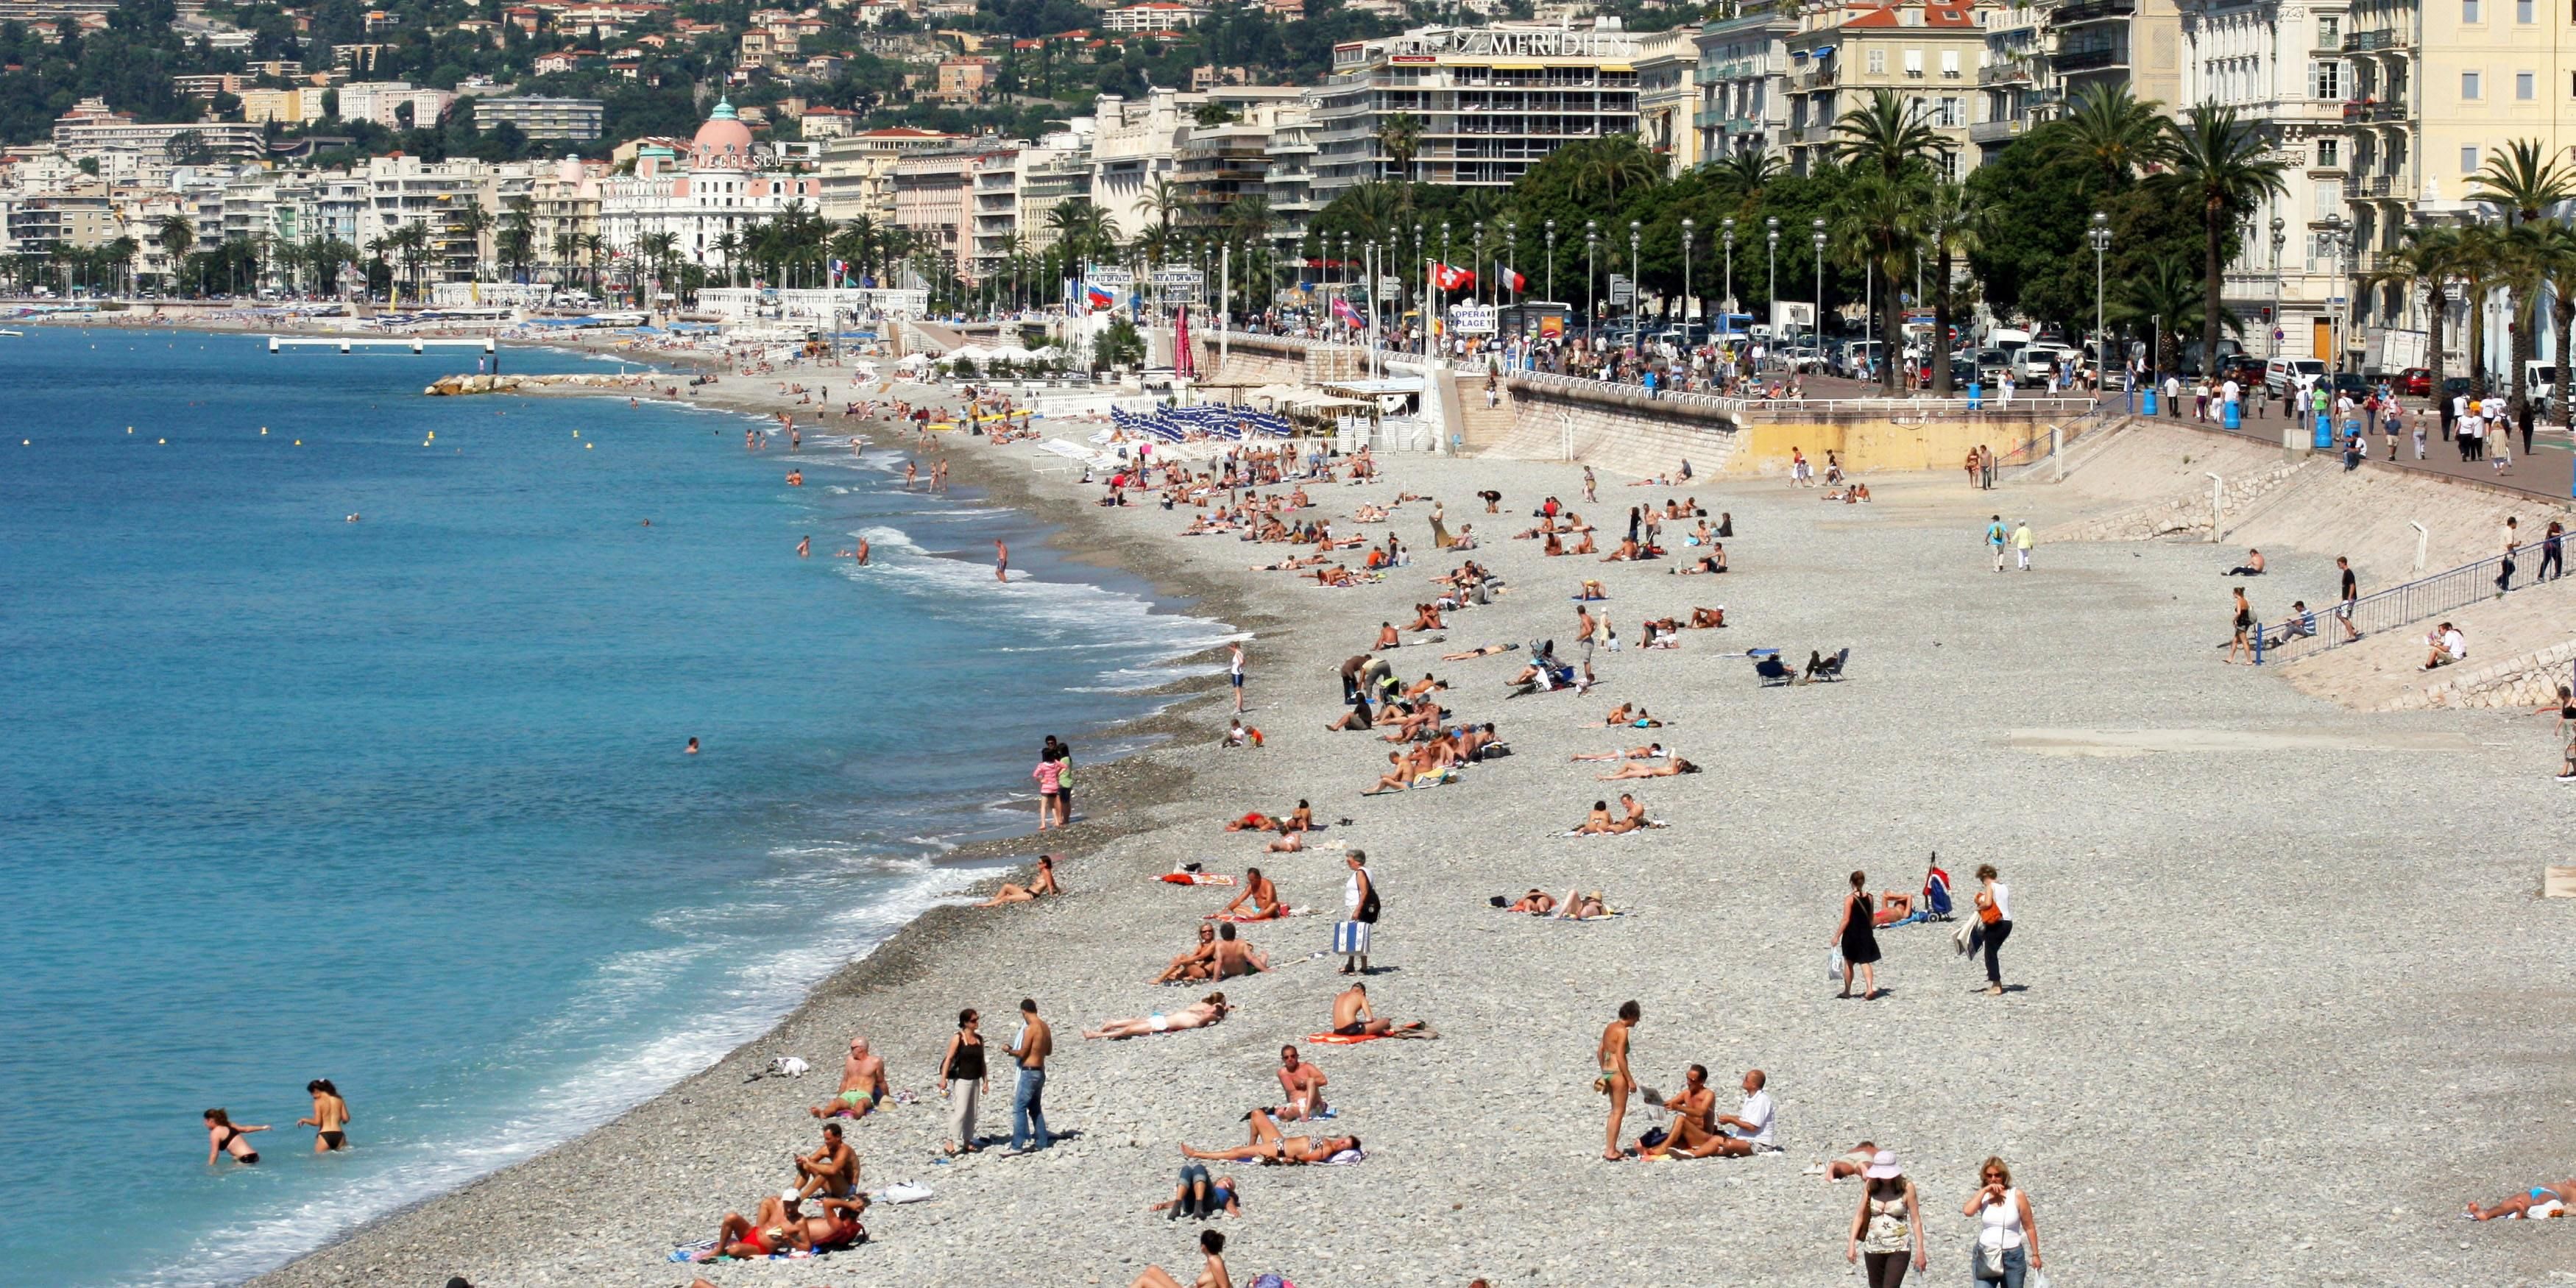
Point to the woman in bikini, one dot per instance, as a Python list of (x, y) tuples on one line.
[(1041, 885), (1676, 765), (1269, 1145), (1200, 1014), (1189, 965), (2523, 1205), (330, 1120), (222, 1138)]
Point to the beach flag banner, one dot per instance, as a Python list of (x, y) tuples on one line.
[(1349, 316), (1450, 278), (840, 271), (1183, 364)]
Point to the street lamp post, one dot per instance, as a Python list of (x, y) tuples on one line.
[(2272, 342), (1773, 235), (2101, 239), (1636, 291), (1591, 250), (1422, 297), (1686, 277), (1551, 262), (1819, 323), (1730, 265)]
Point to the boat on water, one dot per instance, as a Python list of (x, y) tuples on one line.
[(16, 335)]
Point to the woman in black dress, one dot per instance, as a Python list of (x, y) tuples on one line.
[(1858, 938)]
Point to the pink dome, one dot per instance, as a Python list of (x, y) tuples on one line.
[(723, 143)]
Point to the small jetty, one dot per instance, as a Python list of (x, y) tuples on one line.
[(452, 386)]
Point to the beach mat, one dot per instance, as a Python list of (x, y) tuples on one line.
[(2558, 883)]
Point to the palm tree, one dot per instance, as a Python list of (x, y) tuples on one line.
[(2110, 135), (2523, 180), (2429, 259), (2169, 297), (1954, 223), (596, 247), (657, 251), (470, 222), (518, 240), (177, 237), (1888, 136), (567, 251), (2221, 170), (2557, 254), (1746, 174), (728, 247), (2525, 271), (1610, 166), (1164, 201), (1400, 135), (2481, 260), (1881, 223)]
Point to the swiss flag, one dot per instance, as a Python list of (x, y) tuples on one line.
[(1451, 279)]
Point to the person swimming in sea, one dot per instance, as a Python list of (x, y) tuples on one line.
[(693, 747), (222, 1138), (805, 548), (795, 478)]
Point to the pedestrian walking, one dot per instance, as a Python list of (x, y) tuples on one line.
[(1234, 675), (1994, 925), (1857, 938), (2007, 1245), (2021, 540), (2244, 623), (2550, 567), (1995, 540), (2512, 545), (2419, 433), (962, 1079), (2351, 594), (1885, 1231), (1029, 1049)]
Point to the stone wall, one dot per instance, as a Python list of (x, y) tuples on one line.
[(1612, 426), (2526, 683)]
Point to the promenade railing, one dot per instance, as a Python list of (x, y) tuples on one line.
[(2322, 629)]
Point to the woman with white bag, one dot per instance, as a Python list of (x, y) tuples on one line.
[(2007, 1247)]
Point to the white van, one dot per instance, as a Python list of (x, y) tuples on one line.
[(2539, 380), (2279, 374)]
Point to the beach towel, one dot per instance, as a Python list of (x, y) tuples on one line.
[(1344, 1159), (2558, 883), (1241, 919), (1343, 1039), (1197, 878), (1576, 831), (903, 1192)]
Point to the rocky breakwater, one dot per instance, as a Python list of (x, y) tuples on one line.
[(450, 386)]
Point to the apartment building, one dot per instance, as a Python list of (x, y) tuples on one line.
[(92, 129), (574, 119), (405, 190), (1926, 53), (993, 212), (1134, 144), (933, 200), (1492, 101), (1667, 96), (1153, 15), (382, 102), (857, 170), (706, 198), (2262, 58), (1743, 64)]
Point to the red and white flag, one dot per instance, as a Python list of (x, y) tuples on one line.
[(1451, 279)]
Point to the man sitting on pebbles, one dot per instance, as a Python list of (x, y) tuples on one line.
[(831, 1170), (863, 1085), (1699, 1131), (1264, 897), (1353, 1018)]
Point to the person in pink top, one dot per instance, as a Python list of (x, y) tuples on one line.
[(1050, 776)]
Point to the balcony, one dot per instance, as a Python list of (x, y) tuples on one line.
[(1993, 132), (2372, 42), (2068, 15), (2379, 185), (2088, 59), (2366, 113)]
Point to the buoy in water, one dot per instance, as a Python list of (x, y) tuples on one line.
[(586, 447), (165, 442), (263, 429)]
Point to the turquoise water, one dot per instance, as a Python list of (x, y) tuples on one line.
[(402, 802)]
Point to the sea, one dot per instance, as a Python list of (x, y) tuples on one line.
[(345, 738)]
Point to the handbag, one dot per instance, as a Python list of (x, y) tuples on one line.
[(1987, 912), (1834, 964), (1964, 937)]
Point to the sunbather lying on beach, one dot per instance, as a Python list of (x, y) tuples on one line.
[(1268, 1145), (1200, 1197), (863, 1085), (1356, 718), (1632, 717), (1487, 651), (1852, 1162), (1579, 906), (1041, 885), (2537, 1203), (1712, 562), (1676, 765), (1191, 965), (1893, 906), (1264, 897), (1197, 1015), (1651, 751), (1537, 903), (1353, 1018), (781, 1226), (1704, 617)]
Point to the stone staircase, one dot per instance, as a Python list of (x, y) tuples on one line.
[(1481, 426)]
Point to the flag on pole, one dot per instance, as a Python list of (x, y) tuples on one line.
[(840, 270), (1098, 297), (1448, 278), (1343, 311), (1183, 364), (1518, 282)]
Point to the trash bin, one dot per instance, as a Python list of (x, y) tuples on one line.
[(2235, 414), (1976, 395), (2147, 403), (2324, 439)]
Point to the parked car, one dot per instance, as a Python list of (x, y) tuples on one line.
[(2281, 373), (2037, 360), (2415, 382), (2350, 382), (1805, 358)]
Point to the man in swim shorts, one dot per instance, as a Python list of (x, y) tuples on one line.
[(1352, 1018), (863, 1085)]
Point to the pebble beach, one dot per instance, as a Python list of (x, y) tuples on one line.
[(2282, 994)]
